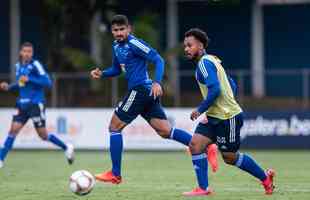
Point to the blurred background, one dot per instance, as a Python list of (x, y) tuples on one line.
[(264, 46)]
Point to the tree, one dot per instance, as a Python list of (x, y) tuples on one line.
[(66, 24)]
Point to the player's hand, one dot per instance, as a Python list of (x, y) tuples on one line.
[(204, 120), (156, 90), (195, 114), (4, 86), (96, 73), (23, 79)]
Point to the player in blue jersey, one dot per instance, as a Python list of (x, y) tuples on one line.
[(224, 117), (130, 56), (31, 80)]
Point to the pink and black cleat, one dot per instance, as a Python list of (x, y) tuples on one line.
[(198, 192), (268, 183)]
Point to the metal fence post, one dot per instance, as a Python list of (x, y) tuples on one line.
[(305, 87), (55, 91)]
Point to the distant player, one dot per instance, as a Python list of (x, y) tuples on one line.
[(130, 56), (31, 79), (224, 117)]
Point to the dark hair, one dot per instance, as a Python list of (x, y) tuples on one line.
[(26, 44), (120, 20), (199, 35)]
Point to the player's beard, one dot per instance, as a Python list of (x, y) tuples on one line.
[(196, 56), (25, 60)]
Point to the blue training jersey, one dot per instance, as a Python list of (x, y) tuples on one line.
[(33, 90), (131, 57)]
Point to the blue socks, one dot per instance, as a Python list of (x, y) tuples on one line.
[(55, 140), (116, 146), (200, 164), (8, 144), (180, 136), (116, 150), (246, 163)]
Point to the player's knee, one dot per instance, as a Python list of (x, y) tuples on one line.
[(195, 147), (164, 132), (13, 133), (229, 158), (115, 128), (43, 136)]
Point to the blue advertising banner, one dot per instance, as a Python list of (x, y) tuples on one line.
[(276, 130)]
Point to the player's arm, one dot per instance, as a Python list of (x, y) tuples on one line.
[(115, 70), (209, 74), (41, 78), (144, 50), (112, 71), (13, 87), (8, 87)]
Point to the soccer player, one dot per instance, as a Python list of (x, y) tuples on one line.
[(32, 79), (130, 55), (224, 117)]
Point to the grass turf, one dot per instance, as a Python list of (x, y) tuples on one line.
[(32, 175)]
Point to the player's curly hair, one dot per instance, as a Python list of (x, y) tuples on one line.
[(120, 20), (199, 35)]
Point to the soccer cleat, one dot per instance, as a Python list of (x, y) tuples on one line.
[(211, 152), (268, 183), (198, 192), (1, 164), (69, 153), (109, 177)]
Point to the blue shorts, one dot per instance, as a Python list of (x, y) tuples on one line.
[(139, 102), (226, 133), (34, 111)]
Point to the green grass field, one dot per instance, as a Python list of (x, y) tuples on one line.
[(31, 175)]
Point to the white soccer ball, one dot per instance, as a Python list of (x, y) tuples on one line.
[(81, 182)]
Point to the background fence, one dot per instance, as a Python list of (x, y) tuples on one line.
[(285, 89)]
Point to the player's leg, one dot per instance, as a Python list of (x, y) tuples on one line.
[(124, 114), (44, 135), (200, 140), (246, 163), (9, 141), (156, 117), (229, 141), (116, 150), (164, 129), (18, 122), (211, 151), (37, 114)]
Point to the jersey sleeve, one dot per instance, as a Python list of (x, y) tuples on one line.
[(13, 87), (41, 78), (114, 70), (144, 50), (208, 74)]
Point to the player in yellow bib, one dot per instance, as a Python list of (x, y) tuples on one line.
[(223, 120)]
